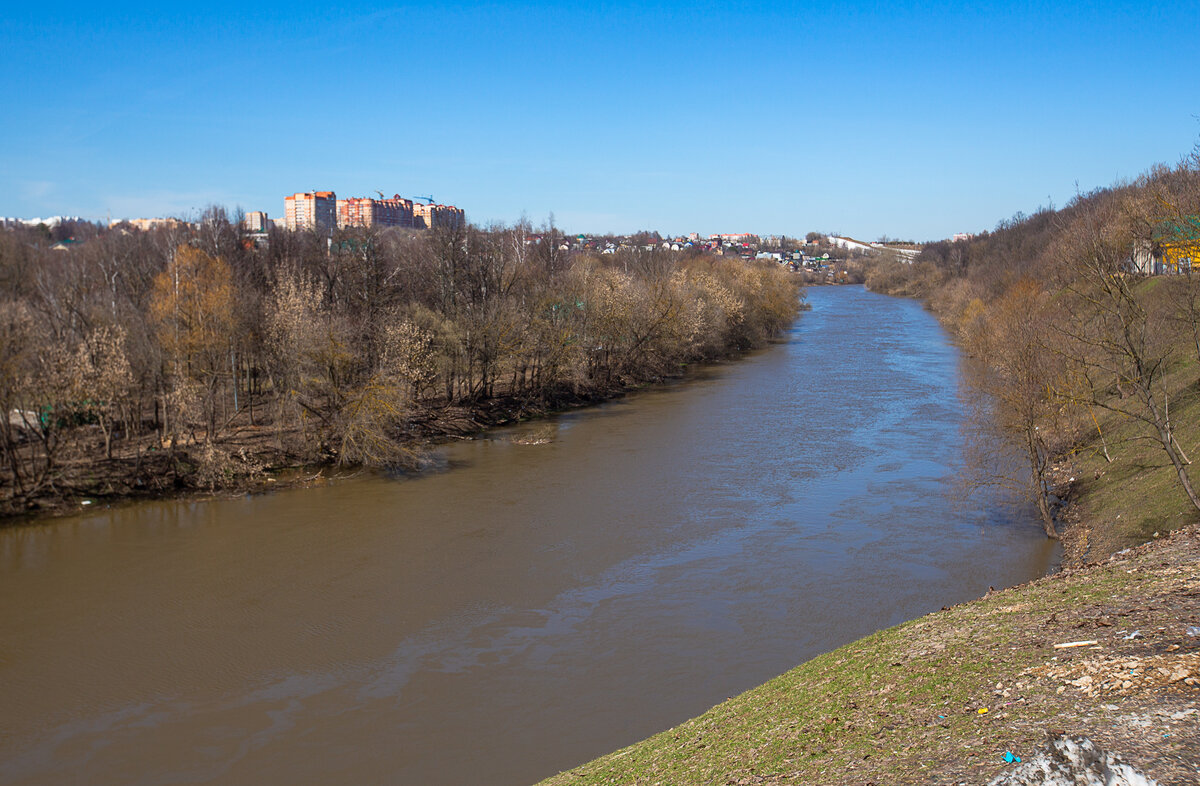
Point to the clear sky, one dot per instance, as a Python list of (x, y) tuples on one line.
[(913, 120)]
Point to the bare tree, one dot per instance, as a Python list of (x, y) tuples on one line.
[(102, 378)]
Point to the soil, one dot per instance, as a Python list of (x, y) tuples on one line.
[(1134, 689)]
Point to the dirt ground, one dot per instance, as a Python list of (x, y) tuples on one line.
[(1131, 683)]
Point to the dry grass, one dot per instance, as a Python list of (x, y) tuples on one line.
[(1122, 503)]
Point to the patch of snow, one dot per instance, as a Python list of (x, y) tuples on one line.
[(1073, 761)]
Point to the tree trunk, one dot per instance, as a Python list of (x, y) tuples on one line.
[(1168, 443), (1037, 481), (106, 429)]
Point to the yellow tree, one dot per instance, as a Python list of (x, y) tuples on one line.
[(192, 307)]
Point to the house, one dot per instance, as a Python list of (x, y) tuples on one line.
[(1174, 248), (1179, 242)]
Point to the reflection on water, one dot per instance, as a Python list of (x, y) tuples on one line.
[(563, 590)]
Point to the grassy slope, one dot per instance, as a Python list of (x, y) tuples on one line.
[(1124, 502)]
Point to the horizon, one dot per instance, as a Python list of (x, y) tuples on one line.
[(536, 231), (906, 122)]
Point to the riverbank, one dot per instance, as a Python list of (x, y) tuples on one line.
[(1123, 490), (336, 344), (949, 697), (1114, 486), (254, 457)]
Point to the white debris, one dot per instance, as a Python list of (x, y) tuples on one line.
[(1073, 761)]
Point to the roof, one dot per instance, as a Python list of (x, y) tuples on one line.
[(1187, 228)]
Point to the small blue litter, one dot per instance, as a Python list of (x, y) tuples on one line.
[(1010, 758)]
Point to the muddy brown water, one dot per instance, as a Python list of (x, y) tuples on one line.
[(523, 607)]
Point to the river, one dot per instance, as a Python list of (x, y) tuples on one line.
[(523, 607)]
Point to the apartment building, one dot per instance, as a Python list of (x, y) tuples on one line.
[(311, 210), (430, 216), (324, 211), (256, 221), (366, 212), (423, 216)]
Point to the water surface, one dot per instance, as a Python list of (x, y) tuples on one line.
[(528, 608)]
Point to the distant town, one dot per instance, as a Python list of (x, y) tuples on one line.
[(822, 257), (319, 211), (324, 212)]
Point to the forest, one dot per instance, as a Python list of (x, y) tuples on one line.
[(199, 356), (1087, 320)]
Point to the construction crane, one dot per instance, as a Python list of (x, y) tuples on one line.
[(381, 196), (428, 199)]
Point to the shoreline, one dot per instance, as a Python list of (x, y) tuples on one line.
[(271, 470)]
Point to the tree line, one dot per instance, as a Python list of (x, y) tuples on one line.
[(153, 355), (1075, 325)]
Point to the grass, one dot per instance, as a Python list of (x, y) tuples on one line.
[(1122, 503)]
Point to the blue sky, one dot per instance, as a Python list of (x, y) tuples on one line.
[(913, 120)]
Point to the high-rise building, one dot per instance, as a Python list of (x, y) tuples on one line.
[(256, 221), (365, 212), (423, 216), (322, 210), (430, 216), (311, 210)]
